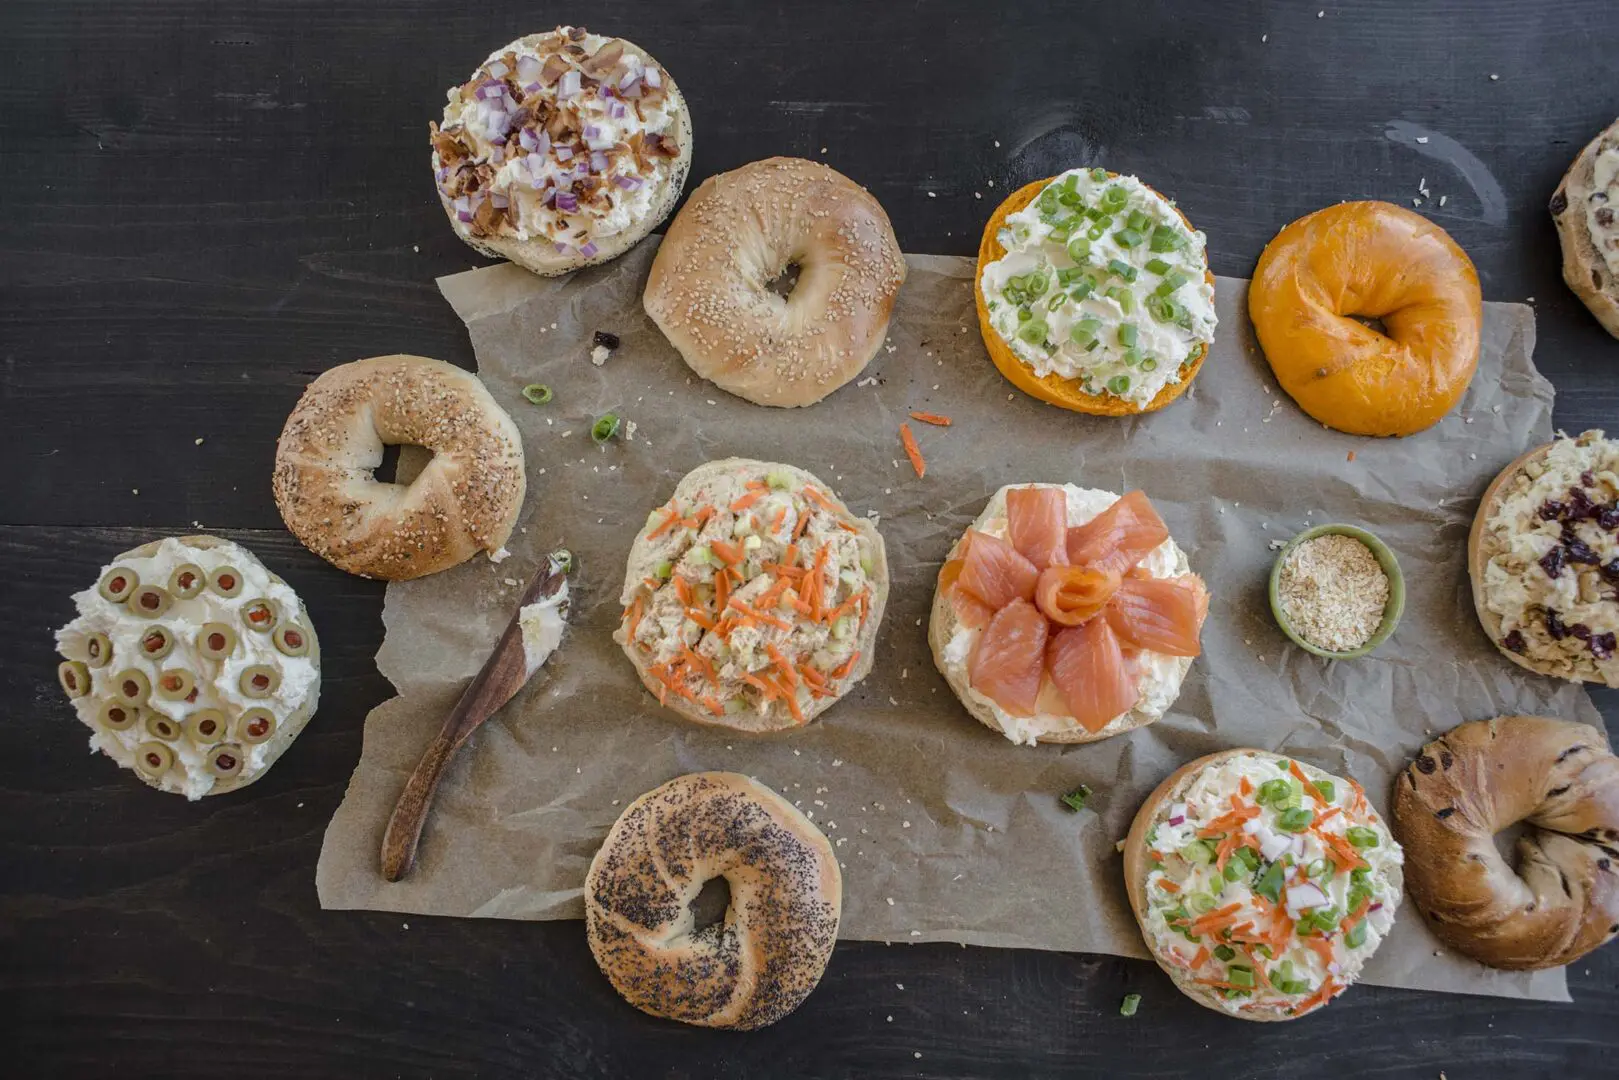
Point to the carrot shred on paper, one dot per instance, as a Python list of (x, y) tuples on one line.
[(936, 419), (912, 451)]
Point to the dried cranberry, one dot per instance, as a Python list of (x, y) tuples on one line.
[(1551, 510), (1608, 517), (1602, 645), (1515, 641), (1552, 562), (1581, 631), (1588, 478), (1554, 625), (1580, 552), (1610, 571), (1580, 505)]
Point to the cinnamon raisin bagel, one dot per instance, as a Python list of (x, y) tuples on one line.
[(761, 960), (1476, 780)]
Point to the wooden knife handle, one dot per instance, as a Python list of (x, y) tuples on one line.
[(404, 830)]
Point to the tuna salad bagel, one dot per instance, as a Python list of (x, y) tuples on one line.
[(1094, 293), (563, 150), (1544, 559), (1066, 614), (1262, 885), (1586, 210), (753, 597)]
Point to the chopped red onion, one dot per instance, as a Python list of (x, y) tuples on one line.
[(1273, 846), (567, 202), (544, 141), (617, 111), (538, 182), (630, 183), (1375, 907), (589, 250), (561, 247), (629, 79), (598, 161), (531, 88), (604, 91), (498, 69), (1305, 896), (462, 215), (633, 90), (654, 78), (528, 69), (568, 85), (526, 139), (564, 153)]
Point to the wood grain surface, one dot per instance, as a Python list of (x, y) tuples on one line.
[(207, 202)]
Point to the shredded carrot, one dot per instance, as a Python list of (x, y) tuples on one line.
[(913, 451), (1324, 994), (699, 662), (1328, 815), (1219, 918), (1259, 968), (1309, 785), (1221, 984), (1227, 822), (714, 705), (768, 689), (1360, 796), (790, 556), (683, 590), (756, 485), (722, 589), (700, 618), (665, 525), (1246, 787), (781, 516), (1174, 957), (848, 605), (847, 666), (703, 514), (728, 553), (789, 674), (815, 495), (817, 585), (1354, 917), (1322, 948), (1200, 957), (1169, 886), (1343, 849), (754, 613), (936, 419), (634, 614), (747, 500)]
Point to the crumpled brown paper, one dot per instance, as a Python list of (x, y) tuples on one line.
[(946, 831)]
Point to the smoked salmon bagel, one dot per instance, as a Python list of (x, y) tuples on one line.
[(1066, 615), (1325, 273), (1094, 294), (1262, 884)]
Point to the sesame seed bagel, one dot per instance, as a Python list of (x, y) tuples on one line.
[(761, 960), (738, 232), (465, 500)]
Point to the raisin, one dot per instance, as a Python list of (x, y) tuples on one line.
[(1551, 510), (1581, 631), (1604, 216), (1580, 552), (1425, 764), (1552, 562), (1603, 645), (1554, 626), (1559, 202), (1608, 518), (1514, 640)]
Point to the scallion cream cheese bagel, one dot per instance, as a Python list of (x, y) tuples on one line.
[(1094, 293), (1066, 614), (753, 596), (465, 500), (563, 150), (1262, 884), (1586, 210), (192, 664), (761, 960), (1319, 277), (1478, 779), (710, 287)]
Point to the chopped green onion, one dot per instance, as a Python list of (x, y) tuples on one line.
[(1362, 837), (1201, 903), (537, 393), (1131, 357), (1082, 288), (1234, 870), (1295, 820), (563, 559), (1272, 791), (1356, 937), (1120, 268), (1075, 800), (1033, 331), (1240, 976), (663, 570), (1329, 791), (1114, 199), (1172, 281), (1139, 221), (1320, 868), (1225, 953), (1166, 238), (1096, 232), (605, 428), (1198, 852), (1130, 1004), (1079, 249), (1270, 882), (1098, 175), (1067, 275), (1128, 238), (1248, 857), (1149, 364), (1158, 266), (1127, 335), (1060, 232), (701, 555), (777, 480), (1119, 385)]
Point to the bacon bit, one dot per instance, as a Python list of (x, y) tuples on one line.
[(729, 553), (1246, 787), (843, 669), (913, 451), (933, 418), (700, 618), (665, 525), (815, 495), (714, 705), (747, 500), (1200, 957), (1309, 785), (1169, 886)]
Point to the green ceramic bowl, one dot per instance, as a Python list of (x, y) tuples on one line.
[(1391, 612)]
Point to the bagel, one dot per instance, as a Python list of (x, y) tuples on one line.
[(1318, 941), (960, 624), (563, 150), (764, 957), (1478, 779), (1543, 559), (1585, 208), (144, 624), (1368, 260), (1061, 374), (710, 288), (735, 535), (466, 499)]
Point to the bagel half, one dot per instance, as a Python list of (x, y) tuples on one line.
[(1584, 267)]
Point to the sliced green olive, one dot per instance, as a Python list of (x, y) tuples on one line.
[(291, 640), (226, 761), (150, 601), (98, 647), (74, 677), (116, 716), (187, 581), (216, 640), (175, 684), (159, 726), (117, 583), (131, 686), (156, 643), (259, 680), (206, 726), (255, 725), (260, 615), (226, 581), (153, 758)]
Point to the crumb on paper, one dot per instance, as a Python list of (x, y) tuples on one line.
[(599, 354), (1422, 139)]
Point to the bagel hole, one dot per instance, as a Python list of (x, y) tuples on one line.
[(708, 907), (1506, 842), (1372, 323), (785, 282), (401, 464)]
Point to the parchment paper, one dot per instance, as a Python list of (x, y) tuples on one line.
[(946, 831)]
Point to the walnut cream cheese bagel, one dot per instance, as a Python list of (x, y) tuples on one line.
[(710, 290), (760, 961), (1325, 273), (465, 500), (1544, 560), (1486, 776), (753, 597), (1066, 615), (563, 150), (1586, 210), (1094, 293), (191, 664), (1262, 885)]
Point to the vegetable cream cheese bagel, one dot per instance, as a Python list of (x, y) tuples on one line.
[(1586, 210), (753, 597), (1066, 614), (710, 290), (761, 960), (1543, 556), (465, 500), (1475, 780), (1094, 293), (563, 150), (1262, 885), (191, 664)]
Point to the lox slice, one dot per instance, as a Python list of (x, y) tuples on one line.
[(1037, 523), (993, 571), (1089, 670), (1162, 615), (1008, 662), (1119, 537)]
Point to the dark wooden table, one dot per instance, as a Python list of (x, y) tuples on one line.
[(207, 203)]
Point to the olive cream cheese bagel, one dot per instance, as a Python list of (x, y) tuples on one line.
[(752, 597)]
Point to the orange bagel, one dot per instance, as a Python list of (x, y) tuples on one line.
[(1374, 260), (1054, 388)]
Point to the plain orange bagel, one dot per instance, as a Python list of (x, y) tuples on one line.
[(1054, 388), (1377, 261)]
